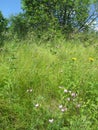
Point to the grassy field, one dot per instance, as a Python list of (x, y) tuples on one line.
[(48, 86)]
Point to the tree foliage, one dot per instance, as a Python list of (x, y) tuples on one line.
[(68, 15), (18, 25), (3, 27), (3, 23)]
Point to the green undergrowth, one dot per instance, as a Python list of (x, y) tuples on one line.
[(48, 86)]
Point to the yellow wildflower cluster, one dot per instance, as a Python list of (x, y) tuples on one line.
[(91, 59), (74, 59)]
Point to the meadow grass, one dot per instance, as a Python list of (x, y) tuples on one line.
[(47, 86)]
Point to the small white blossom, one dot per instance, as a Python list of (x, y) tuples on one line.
[(73, 95), (65, 90), (63, 109), (78, 106), (36, 105), (68, 99), (60, 106), (51, 120), (69, 91), (30, 90)]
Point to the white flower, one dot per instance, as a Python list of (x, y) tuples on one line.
[(65, 90), (68, 99), (69, 91), (51, 120), (60, 106), (37, 105), (30, 90), (63, 109), (78, 106), (73, 95)]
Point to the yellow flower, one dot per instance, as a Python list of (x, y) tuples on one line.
[(91, 59), (74, 59)]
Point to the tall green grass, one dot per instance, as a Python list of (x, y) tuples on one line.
[(48, 86)]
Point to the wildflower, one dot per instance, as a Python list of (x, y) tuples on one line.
[(68, 99), (73, 95), (74, 59), (78, 106), (65, 90), (63, 109), (60, 106), (36, 105), (91, 59), (69, 91), (29, 90), (51, 120)]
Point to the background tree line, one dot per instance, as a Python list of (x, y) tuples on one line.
[(66, 16)]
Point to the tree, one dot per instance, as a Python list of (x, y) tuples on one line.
[(69, 15), (3, 27), (39, 13), (18, 25)]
